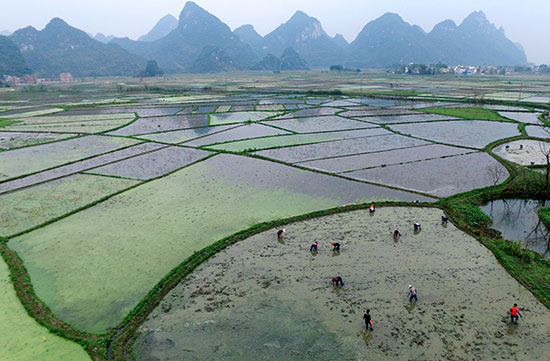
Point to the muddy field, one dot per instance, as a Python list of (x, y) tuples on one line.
[(263, 299)]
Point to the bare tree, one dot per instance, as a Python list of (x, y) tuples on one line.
[(496, 172), (545, 150)]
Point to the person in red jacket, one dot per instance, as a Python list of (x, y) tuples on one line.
[(514, 313)]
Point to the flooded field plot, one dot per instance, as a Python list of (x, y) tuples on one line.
[(264, 107), (274, 142), (518, 220), (384, 158), (311, 112), (163, 124), (238, 117), (23, 338), (76, 167), (368, 111), (143, 233), (341, 148), (318, 124), (245, 131), (180, 136), (407, 118), (475, 134), (278, 297), (15, 163), (10, 140), (31, 113), (440, 177), (537, 132), (34, 206), (152, 165), (523, 152), (530, 118), (89, 127)]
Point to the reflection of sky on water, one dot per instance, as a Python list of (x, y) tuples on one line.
[(518, 219)]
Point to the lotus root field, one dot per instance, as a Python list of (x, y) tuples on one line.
[(121, 208)]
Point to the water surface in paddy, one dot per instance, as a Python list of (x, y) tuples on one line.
[(267, 300), (518, 220)]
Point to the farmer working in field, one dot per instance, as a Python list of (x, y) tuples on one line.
[(412, 294), (514, 313)]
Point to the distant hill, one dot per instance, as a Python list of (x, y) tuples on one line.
[(61, 48), (102, 38), (11, 60), (475, 42), (390, 40), (340, 41), (248, 34), (196, 29), (5, 33), (212, 59), (305, 35), (163, 27), (290, 60)]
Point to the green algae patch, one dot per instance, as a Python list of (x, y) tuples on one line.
[(468, 113), (6, 122), (29, 208), (273, 142), (239, 117), (22, 338), (93, 267), (261, 299)]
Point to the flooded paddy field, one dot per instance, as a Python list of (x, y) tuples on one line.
[(407, 118), (537, 132), (318, 124), (475, 134), (384, 158), (341, 148), (163, 124), (246, 131), (152, 165), (441, 177), (76, 167), (143, 233), (518, 220), (263, 299), (10, 140), (18, 162), (31, 207), (157, 166), (180, 136)]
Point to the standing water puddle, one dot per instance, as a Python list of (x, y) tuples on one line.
[(518, 220)]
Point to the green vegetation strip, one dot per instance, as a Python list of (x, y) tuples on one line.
[(544, 215), (468, 113)]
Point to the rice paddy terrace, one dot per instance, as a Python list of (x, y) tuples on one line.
[(108, 199)]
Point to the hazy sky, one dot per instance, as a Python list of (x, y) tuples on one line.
[(524, 21)]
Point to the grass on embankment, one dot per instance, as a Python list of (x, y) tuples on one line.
[(544, 215), (468, 113)]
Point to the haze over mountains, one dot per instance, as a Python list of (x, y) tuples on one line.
[(200, 42)]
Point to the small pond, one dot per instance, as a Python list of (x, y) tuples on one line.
[(518, 219)]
